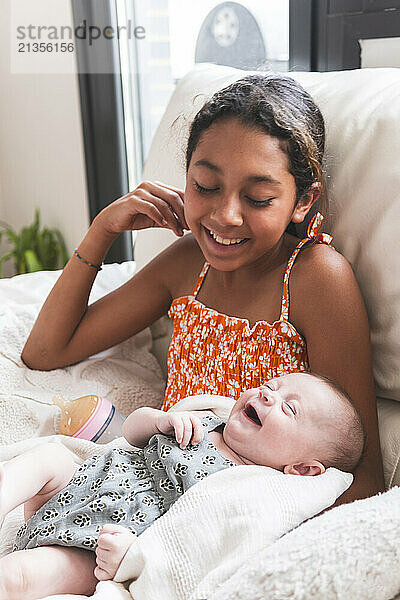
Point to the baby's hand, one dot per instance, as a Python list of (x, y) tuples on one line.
[(186, 427), (112, 545)]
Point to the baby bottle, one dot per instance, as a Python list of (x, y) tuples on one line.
[(90, 418)]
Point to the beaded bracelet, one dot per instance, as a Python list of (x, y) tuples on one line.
[(98, 267)]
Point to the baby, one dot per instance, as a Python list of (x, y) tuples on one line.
[(300, 424)]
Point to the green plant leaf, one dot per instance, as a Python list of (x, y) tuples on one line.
[(27, 239), (20, 266), (62, 247), (33, 249), (11, 236), (36, 223), (46, 249), (3, 259), (6, 256), (32, 262)]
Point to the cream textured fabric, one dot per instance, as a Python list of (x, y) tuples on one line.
[(349, 553), (208, 534), (128, 374)]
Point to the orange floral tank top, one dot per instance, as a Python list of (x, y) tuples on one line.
[(213, 353)]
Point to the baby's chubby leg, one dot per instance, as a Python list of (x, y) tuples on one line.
[(113, 543), (48, 570), (34, 477)]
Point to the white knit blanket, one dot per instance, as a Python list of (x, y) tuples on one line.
[(127, 374), (218, 526)]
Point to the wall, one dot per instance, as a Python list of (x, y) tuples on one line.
[(41, 146)]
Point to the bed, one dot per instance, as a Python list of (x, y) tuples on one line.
[(350, 552)]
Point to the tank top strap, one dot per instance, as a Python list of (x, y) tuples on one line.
[(200, 279), (312, 235)]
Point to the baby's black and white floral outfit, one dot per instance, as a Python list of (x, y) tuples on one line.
[(130, 487)]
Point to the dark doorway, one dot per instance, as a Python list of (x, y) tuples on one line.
[(324, 34)]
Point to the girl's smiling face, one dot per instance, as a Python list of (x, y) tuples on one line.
[(240, 195)]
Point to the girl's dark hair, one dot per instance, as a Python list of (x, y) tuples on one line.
[(279, 106)]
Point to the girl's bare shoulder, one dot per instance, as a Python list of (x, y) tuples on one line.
[(321, 265), (321, 280)]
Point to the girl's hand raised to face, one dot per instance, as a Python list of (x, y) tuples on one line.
[(151, 204), (186, 427)]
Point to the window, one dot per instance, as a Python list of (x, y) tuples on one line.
[(251, 34)]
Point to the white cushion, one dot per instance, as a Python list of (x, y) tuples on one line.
[(351, 552), (362, 115)]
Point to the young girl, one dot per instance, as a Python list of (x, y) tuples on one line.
[(254, 169), (298, 423)]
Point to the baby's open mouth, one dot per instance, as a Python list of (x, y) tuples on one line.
[(251, 413)]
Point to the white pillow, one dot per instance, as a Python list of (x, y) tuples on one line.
[(362, 114), (351, 552)]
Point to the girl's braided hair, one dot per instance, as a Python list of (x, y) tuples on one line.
[(279, 106)]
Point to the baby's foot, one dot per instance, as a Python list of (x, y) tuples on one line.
[(112, 545)]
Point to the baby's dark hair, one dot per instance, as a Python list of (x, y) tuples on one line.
[(345, 450), (280, 107)]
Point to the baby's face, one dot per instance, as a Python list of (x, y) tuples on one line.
[(284, 422)]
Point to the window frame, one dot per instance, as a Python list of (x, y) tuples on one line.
[(102, 113)]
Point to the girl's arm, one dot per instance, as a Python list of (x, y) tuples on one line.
[(67, 330), (145, 422), (332, 316)]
